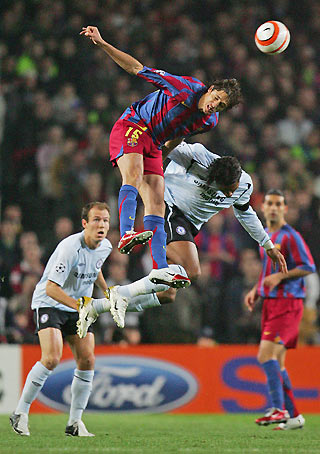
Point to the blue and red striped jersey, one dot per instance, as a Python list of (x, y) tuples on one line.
[(297, 255), (171, 111)]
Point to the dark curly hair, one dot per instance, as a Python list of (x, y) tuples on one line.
[(225, 171), (233, 90)]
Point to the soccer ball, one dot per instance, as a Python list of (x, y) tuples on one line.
[(272, 37)]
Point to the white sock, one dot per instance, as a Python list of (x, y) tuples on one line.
[(80, 392), (33, 385), (139, 303), (141, 287), (101, 305), (144, 286)]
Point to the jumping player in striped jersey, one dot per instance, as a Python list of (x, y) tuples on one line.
[(283, 296), (181, 107)]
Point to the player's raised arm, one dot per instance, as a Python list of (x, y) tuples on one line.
[(126, 61)]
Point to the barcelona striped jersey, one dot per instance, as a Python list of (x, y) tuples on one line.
[(171, 111), (297, 255)]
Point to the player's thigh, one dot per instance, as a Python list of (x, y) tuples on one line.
[(152, 194), (51, 343), (185, 253), (131, 169), (269, 350), (83, 350)]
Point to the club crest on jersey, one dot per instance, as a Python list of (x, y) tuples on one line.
[(180, 230), (44, 318), (132, 142), (99, 263), (60, 268)]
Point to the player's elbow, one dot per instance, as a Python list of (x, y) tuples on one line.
[(50, 288), (135, 69)]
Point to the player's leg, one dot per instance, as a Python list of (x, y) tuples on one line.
[(152, 193), (267, 356), (296, 420), (51, 344), (127, 146), (83, 351), (186, 254)]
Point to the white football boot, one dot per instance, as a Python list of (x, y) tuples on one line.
[(87, 315), (292, 423), (78, 429), (19, 424), (118, 307)]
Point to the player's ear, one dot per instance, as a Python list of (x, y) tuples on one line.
[(84, 223), (210, 89)]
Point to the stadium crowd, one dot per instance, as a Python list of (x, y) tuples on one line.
[(59, 99)]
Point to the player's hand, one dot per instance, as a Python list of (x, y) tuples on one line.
[(250, 299), (92, 33), (273, 280), (277, 257)]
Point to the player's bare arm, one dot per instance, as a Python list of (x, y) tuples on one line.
[(125, 61), (169, 146), (100, 282), (55, 292), (276, 278), (278, 258)]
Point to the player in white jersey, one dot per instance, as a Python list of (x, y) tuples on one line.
[(71, 272), (198, 185), (66, 288)]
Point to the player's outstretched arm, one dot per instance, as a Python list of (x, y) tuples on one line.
[(126, 61)]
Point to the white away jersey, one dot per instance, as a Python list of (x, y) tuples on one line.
[(73, 266), (186, 187)]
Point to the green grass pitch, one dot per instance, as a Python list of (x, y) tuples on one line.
[(155, 434)]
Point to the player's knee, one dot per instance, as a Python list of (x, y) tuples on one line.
[(193, 272), (168, 296), (262, 357), (50, 361), (86, 363), (134, 177)]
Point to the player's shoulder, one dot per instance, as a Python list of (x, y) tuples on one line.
[(106, 244), (292, 231), (245, 178), (199, 150), (71, 240)]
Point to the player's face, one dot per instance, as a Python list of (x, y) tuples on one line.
[(213, 101), (274, 208), (97, 226), (229, 190)]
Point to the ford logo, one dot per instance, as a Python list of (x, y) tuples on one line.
[(124, 383)]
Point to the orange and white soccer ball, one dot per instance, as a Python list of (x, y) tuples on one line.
[(272, 37)]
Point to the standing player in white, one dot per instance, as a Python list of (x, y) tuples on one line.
[(71, 272), (66, 288)]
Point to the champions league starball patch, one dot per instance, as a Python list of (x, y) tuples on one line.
[(60, 268), (180, 230)]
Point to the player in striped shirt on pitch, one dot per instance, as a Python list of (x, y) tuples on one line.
[(283, 296), (181, 107)]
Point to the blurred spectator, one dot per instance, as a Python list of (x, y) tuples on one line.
[(240, 325), (63, 227), (30, 265)]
